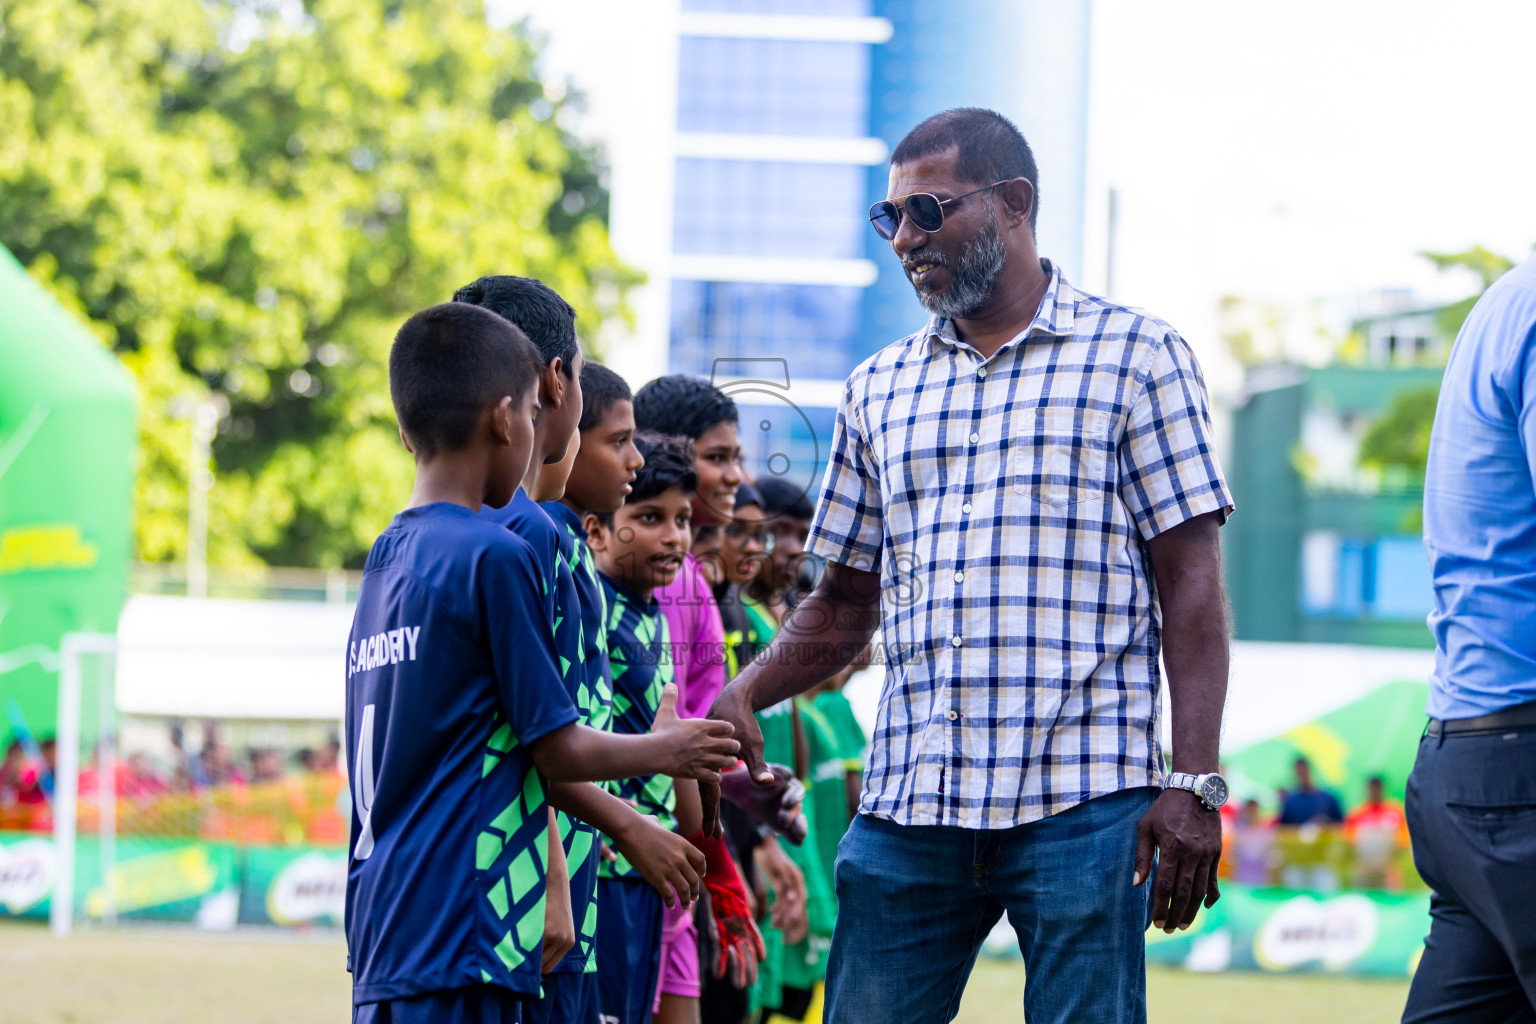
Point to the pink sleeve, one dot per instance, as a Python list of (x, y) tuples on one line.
[(698, 639), (707, 669)]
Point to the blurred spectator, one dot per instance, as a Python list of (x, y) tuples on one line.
[(89, 782), (1377, 811), (790, 571), (1253, 842), (1377, 829), (11, 770), (706, 548), (266, 765), (143, 778), (37, 779), (214, 766), (330, 755), (1308, 805)]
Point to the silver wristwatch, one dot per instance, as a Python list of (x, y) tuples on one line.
[(1210, 787)]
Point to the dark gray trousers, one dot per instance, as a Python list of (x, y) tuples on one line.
[(1471, 811)]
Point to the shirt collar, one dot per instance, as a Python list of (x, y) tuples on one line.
[(1056, 317)]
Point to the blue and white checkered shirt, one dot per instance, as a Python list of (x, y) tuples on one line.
[(1007, 503)]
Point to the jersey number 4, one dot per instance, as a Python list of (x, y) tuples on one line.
[(363, 783)]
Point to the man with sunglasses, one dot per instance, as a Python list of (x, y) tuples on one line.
[(1026, 488)]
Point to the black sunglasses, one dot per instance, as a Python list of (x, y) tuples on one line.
[(926, 211)]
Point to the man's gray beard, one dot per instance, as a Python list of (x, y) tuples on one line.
[(973, 277)]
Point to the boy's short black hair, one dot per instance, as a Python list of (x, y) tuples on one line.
[(547, 319), (668, 464), (682, 405), (601, 390), (447, 364), (990, 149), (782, 498)]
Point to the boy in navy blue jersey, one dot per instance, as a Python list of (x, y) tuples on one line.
[(596, 476), (638, 548), (569, 963), (455, 709)]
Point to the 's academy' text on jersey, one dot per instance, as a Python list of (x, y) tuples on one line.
[(451, 675)]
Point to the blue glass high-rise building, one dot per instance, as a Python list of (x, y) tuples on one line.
[(786, 111)]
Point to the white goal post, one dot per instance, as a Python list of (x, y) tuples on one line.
[(73, 649)]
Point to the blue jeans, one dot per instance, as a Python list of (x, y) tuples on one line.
[(915, 903)]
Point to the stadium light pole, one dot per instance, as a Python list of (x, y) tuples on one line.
[(204, 415)]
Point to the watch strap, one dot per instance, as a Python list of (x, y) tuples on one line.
[(1191, 783)]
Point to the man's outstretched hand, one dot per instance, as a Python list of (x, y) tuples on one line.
[(1187, 838), (699, 748), (734, 705)]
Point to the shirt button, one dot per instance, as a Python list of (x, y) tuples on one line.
[(981, 371), (966, 508), (975, 437), (959, 577), (955, 641), (952, 715)]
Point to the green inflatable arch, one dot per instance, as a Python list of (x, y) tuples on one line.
[(68, 432)]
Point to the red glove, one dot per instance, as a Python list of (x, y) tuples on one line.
[(740, 948)]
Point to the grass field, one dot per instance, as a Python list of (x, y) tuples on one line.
[(169, 977)]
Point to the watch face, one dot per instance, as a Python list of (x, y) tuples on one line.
[(1214, 790)]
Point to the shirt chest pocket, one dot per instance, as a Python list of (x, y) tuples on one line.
[(1062, 455)]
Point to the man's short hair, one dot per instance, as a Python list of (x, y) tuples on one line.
[(682, 405), (447, 364), (547, 319), (601, 390), (782, 498), (668, 464), (990, 148)]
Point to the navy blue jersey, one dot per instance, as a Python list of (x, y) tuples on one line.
[(598, 690), (451, 674), (563, 611), (640, 658)]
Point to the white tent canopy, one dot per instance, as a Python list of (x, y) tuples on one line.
[(1273, 687), (286, 660), (232, 659)]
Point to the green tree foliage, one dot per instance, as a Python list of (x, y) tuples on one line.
[(1399, 438), (1488, 266), (245, 198), (1398, 441)]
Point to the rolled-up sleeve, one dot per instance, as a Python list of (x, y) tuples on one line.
[(1168, 468), (849, 527)]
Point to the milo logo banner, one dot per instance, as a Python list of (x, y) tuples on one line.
[(294, 886), (153, 879), (1280, 930), (28, 870)]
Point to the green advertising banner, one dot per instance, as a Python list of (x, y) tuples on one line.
[(154, 879), (1284, 930), (1375, 735), (294, 886), (68, 431)]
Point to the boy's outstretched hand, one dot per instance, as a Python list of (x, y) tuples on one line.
[(777, 806), (734, 705), (670, 863), (699, 748)]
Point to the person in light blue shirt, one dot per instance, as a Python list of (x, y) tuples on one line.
[(1480, 508), (1471, 802)]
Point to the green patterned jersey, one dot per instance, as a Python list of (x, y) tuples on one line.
[(640, 659), (551, 543)]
